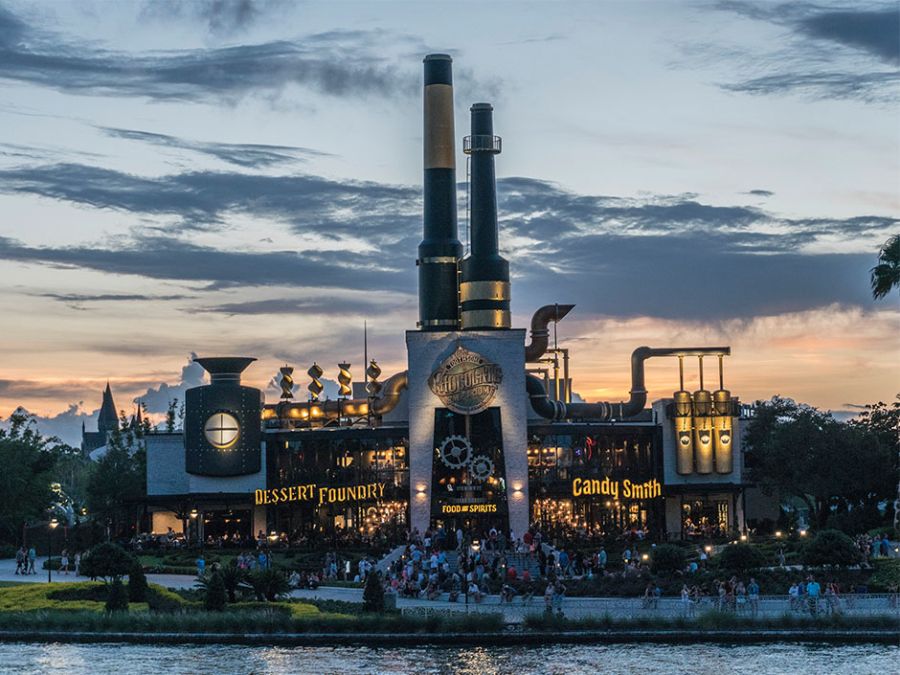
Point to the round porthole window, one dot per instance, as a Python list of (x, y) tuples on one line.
[(222, 430)]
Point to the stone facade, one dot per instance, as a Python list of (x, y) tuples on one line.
[(426, 351)]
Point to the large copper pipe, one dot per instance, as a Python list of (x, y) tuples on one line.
[(540, 332), (605, 410)]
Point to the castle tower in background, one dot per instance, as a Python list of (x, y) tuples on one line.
[(106, 424)]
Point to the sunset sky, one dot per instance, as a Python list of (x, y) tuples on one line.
[(219, 178)]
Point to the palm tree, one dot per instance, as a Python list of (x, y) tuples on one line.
[(886, 274)]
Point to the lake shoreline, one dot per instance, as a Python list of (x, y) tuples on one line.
[(503, 638)]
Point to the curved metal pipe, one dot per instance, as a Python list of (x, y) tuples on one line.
[(542, 404), (540, 334), (390, 393), (604, 410)]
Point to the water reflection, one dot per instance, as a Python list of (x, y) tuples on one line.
[(74, 659)]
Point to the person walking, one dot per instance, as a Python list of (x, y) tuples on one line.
[(21, 564), (32, 558), (64, 561), (77, 563)]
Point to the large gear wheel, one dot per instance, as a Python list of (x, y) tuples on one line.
[(482, 468), (456, 452)]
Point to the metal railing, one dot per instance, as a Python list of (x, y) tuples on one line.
[(872, 604), (482, 143)]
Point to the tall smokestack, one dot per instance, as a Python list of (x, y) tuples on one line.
[(440, 250), (484, 286)]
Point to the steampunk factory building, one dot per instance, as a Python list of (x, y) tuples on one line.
[(479, 431)]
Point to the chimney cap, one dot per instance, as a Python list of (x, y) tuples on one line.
[(438, 57), (225, 365)]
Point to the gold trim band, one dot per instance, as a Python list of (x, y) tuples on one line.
[(486, 318), (439, 322), (483, 290), (439, 133), (440, 259)]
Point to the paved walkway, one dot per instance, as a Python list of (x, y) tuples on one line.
[(515, 611)]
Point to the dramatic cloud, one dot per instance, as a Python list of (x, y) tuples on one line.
[(667, 256), (337, 63), (158, 398), (310, 203), (222, 17), (163, 258), (78, 300), (249, 155), (829, 53), (286, 306)]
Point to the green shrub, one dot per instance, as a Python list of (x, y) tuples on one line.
[(162, 599), (137, 583), (107, 561), (740, 558), (887, 575), (268, 584), (831, 548), (215, 593), (667, 559), (117, 598), (7, 551), (373, 595)]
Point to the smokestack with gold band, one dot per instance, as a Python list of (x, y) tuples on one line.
[(440, 250), (684, 440), (723, 434), (703, 436), (484, 283)]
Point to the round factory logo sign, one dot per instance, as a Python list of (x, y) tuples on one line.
[(222, 430), (466, 382)]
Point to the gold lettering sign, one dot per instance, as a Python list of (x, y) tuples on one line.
[(469, 508), (320, 495), (466, 382), (587, 487)]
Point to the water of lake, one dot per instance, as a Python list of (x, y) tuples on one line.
[(643, 659)]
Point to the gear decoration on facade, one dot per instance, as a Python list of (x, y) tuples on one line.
[(481, 468), (456, 452)]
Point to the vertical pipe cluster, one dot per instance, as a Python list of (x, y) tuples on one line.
[(703, 428), (722, 425), (484, 286), (440, 250)]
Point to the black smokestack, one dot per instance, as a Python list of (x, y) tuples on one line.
[(484, 287), (440, 250)]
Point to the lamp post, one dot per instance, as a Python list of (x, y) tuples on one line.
[(194, 514), (53, 523), (273, 536)]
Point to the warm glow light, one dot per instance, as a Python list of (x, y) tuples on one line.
[(743, 537), (778, 533), (194, 513), (707, 548), (802, 533), (53, 523), (645, 557)]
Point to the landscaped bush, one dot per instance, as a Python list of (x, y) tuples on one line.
[(831, 548), (268, 584), (215, 593), (373, 595), (117, 598), (106, 561), (887, 574), (667, 559), (137, 583), (740, 558)]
